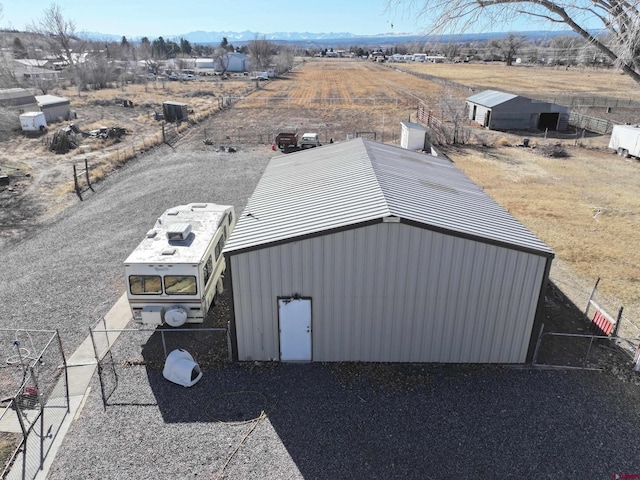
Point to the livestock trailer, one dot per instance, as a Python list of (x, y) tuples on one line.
[(176, 271), (625, 140)]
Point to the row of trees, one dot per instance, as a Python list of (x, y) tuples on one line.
[(557, 50)]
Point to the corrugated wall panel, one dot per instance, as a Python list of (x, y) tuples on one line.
[(394, 293)]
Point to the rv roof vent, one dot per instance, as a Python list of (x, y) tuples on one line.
[(168, 251), (198, 205), (151, 233), (173, 212), (178, 231)]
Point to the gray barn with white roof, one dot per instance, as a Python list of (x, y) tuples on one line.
[(361, 251), (497, 110)]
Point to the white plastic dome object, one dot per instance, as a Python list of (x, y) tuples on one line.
[(180, 368), (175, 316)]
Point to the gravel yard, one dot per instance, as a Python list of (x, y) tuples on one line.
[(361, 421), (320, 420)]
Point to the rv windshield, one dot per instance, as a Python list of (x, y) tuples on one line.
[(145, 284), (180, 285)]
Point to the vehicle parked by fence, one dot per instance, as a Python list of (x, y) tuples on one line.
[(309, 140), (287, 140), (175, 273), (625, 140)]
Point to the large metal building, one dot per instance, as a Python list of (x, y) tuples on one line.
[(505, 111), (361, 251)]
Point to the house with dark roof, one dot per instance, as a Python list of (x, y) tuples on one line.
[(362, 251)]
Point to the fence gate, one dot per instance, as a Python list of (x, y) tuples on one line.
[(590, 350), (34, 398), (78, 175), (125, 367)]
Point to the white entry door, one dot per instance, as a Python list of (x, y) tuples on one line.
[(295, 329)]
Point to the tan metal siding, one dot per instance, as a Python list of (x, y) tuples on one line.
[(392, 293)]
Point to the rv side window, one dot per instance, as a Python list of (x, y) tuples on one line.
[(180, 285), (145, 284), (219, 247), (208, 270)]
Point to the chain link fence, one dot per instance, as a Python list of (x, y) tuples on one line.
[(35, 396), (613, 336), (140, 353)]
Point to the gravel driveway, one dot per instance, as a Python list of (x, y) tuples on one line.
[(364, 422), (322, 421)]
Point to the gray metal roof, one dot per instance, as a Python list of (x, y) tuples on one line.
[(16, 97), (51, 100), (491, 98), (413, 126), (349, 183)]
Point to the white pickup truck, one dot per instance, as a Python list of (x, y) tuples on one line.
[(309, 140)]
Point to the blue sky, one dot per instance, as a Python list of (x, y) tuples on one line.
[(170, 17)]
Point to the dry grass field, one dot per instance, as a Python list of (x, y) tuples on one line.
[(543, 82), (586, 207)]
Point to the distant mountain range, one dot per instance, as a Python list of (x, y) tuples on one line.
[(320, 39)]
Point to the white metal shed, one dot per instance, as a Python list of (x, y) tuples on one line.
[(413, 136), (54, 108), (361, 251)]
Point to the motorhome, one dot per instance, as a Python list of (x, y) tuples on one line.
[(175, 273)]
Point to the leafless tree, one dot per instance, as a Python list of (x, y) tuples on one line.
[(454, 129), (8, 77), (509, 46), (58, 32), (261, 51), (621, 21), (221, 59), (100, 72), (283, 61), (9, 122)]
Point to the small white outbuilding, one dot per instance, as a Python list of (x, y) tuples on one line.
[(362, 251), (54, 108), (413, 136)]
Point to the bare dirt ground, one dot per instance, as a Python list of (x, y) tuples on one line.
[(41, 182)]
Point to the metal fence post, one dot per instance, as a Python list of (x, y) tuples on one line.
[(618, 320), (593, 292), (66, 370), (164, 345), (535, 352), (86, 171)]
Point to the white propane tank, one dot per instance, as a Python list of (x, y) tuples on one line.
[(175, 316)]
